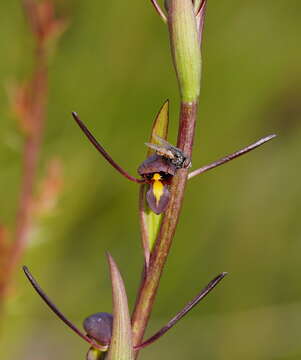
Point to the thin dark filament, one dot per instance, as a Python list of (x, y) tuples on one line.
[(231, 156), (183, 312), (53, 307), (102, 151), (159, 10)]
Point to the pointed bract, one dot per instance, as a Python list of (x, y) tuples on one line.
[(121, 347), (160, 125), (150, 221)]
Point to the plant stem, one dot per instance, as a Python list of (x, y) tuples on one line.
[(185, 49), (150, 281), (30, 156)]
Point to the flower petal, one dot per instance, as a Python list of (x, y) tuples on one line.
[(158, 204)]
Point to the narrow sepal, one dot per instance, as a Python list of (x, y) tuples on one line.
[(102, 151), (121, 347), (183, 312), (158, 206), (232, 156), (55, 309)]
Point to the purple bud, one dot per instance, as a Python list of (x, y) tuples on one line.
[(99, 327)]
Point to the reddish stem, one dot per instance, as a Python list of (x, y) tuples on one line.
[(33, 121), (149, 286)]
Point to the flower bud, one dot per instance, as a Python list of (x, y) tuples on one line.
[(99, 327)]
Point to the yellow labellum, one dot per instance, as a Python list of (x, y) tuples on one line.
[(157, 187)]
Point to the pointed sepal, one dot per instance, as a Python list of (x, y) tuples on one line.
[(102, 151), (204, 292), (121, 347), (232, 156), (58, 313)]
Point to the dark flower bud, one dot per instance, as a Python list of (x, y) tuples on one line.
[(99, 327)]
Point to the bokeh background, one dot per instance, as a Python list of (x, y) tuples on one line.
[(114, 68)]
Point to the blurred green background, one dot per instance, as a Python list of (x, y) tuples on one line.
[(113, 67)]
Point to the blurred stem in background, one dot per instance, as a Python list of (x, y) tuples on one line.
[(29, 104)]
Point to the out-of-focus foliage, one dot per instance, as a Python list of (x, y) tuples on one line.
[(114, 68)]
